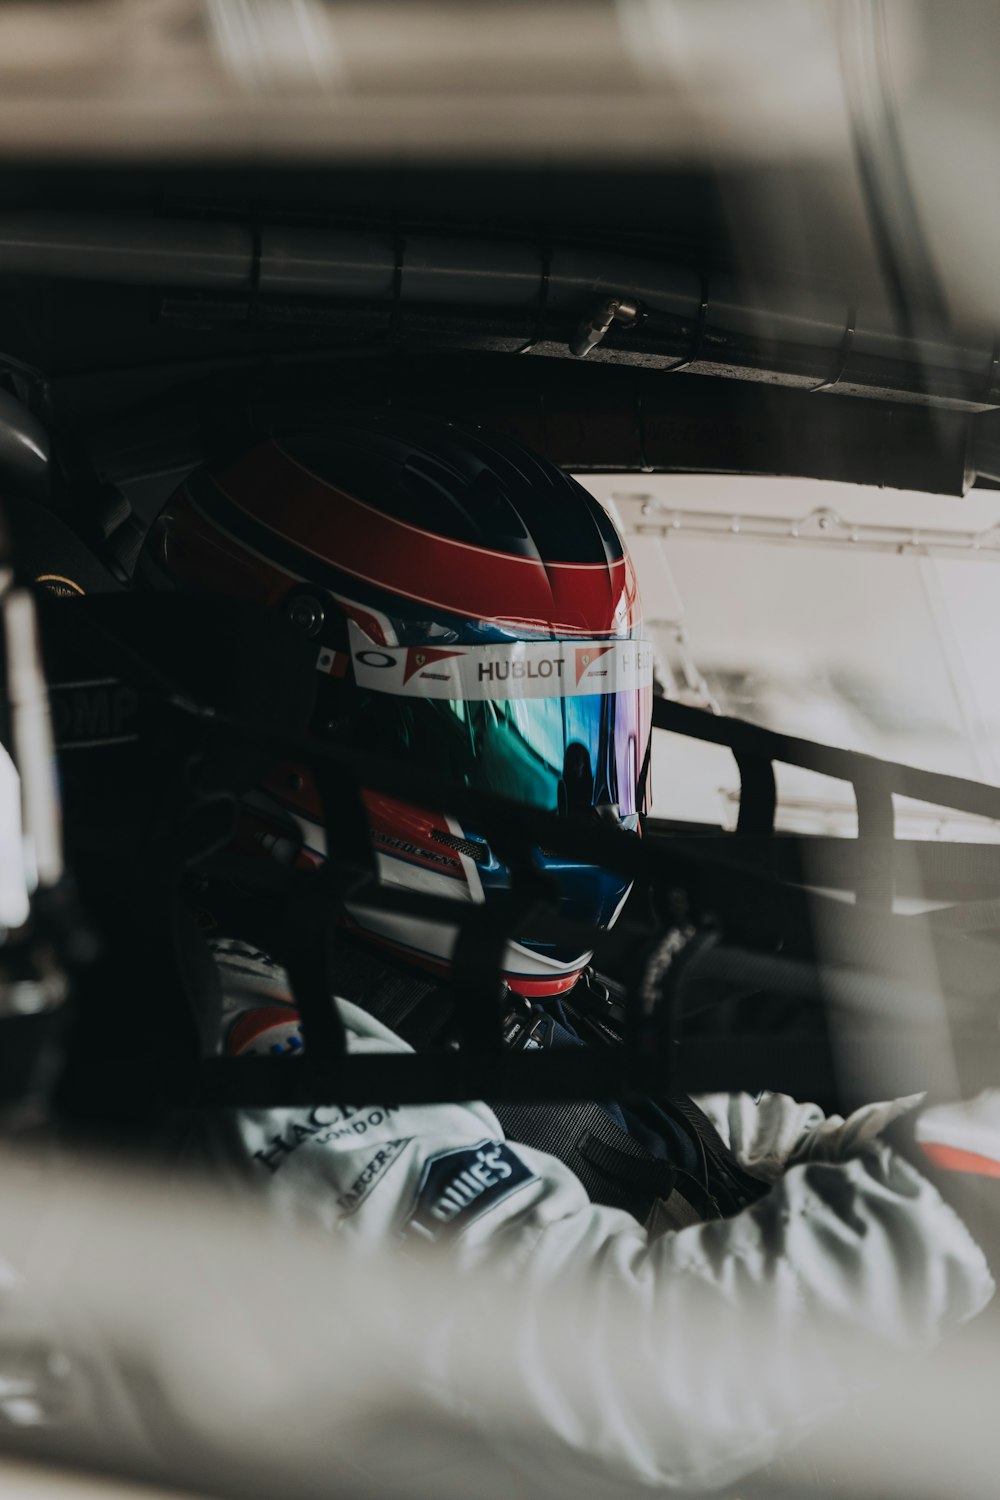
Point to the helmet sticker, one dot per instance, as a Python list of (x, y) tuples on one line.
[(518, 669)]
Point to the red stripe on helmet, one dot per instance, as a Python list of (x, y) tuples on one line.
[(542, 989), (456, 577)]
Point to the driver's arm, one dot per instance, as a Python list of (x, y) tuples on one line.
[(696, 1356)]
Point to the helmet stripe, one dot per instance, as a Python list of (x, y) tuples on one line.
[(460, 578)]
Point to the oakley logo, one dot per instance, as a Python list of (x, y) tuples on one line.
[(375, 658)]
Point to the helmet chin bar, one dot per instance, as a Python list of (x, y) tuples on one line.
[(736, 971)]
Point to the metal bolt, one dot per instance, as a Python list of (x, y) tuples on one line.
[(306, 614)]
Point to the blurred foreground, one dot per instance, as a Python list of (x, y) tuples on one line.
[(185, 1340)]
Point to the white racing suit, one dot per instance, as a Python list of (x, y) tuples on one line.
[(738, 1334)]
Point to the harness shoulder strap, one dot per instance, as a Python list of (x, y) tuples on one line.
[(413, 1005), (614, 1168)]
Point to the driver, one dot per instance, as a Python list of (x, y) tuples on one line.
[(475, 613)]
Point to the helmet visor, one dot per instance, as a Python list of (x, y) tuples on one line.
[(560, 725)]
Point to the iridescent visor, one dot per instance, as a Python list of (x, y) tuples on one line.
[(560, 725)]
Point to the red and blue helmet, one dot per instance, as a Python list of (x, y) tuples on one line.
[(476, 615)]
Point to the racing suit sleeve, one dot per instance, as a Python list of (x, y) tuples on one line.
[(774, 1131), (695, 1357)]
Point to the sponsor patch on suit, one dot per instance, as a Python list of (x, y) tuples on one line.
[(458, 1186)]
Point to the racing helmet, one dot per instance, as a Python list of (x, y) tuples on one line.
[(475, 614)]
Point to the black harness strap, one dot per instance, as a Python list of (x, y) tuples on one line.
[(412, 1005), (614, 1169), (720, 1163)]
